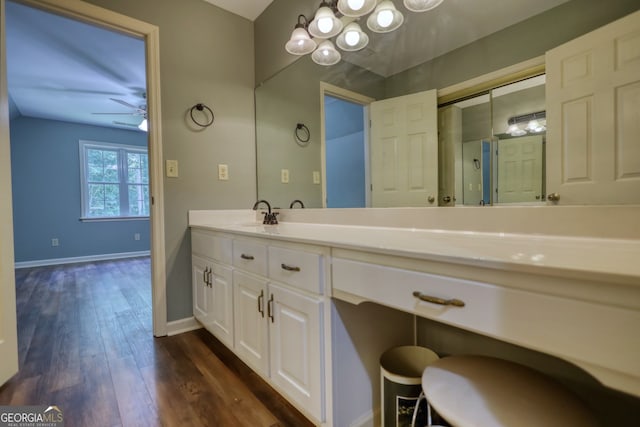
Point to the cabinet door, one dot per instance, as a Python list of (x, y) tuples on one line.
[(221, 313), (251, 327), (201, 290), (593, 111), (296, 351)]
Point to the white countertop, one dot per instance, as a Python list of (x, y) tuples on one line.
[(616, 260)]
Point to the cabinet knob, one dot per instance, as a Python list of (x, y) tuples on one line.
[(553, 197), (431, 199)]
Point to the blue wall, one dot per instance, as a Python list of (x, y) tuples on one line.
[(46, 193), (344, 122)]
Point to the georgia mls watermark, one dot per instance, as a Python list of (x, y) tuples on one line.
[(31, 416)]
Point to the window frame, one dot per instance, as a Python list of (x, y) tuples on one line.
[(122, 150)]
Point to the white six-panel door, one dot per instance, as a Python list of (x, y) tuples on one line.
[(520, 169), (593, 116), (8, 331), (404, 150)]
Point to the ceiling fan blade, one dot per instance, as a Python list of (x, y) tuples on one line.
[(119, 114), (125, 124), (125, 103)]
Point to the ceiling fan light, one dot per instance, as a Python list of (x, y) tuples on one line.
[(352, 38), (421, 5), (325, 24), (326, 54), (143, 126), (356, 8), (300, 43), (385, 18)]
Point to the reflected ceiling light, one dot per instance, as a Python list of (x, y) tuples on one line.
[(352, 38), (527, 123), (326, 54), (356, 8), (325, 24), (144, 126), (300, 42), (333, 15), (421, 5), (385, 18)]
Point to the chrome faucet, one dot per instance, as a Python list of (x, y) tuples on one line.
[(296, 201), (269, 217)]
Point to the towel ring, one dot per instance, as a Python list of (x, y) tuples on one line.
[(202, 107), (303, 140)]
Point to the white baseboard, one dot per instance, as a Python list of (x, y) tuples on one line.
[(73, 260), (183, 325), (369, 419)]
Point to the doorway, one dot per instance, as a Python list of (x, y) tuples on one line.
[(100, 17), (346, 181)]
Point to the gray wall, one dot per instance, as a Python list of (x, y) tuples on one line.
[(206, 55), (524, 40)]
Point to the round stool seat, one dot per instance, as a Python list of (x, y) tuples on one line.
[(470, 391)]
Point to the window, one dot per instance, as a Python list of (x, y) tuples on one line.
[(115, 180)]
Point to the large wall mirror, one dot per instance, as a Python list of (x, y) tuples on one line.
[(491, 135)]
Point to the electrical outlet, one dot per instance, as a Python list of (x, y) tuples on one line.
[(136, 236), (316, 177), (55, 242), (223, 172), (284, 176), (172, 168)]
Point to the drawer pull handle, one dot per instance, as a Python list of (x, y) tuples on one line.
[(245, 256), (435, 300), (270, 308), (260, 303), (289, 268)]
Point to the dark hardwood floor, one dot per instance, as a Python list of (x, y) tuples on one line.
[(86, 344)]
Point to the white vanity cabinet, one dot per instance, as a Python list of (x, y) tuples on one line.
[(278, 314), (265, 300), (212, 281)]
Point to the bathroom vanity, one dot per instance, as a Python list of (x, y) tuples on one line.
[(269, 292)]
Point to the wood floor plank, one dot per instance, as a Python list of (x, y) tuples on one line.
[(85, 344)]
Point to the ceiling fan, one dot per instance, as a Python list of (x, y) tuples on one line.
[(140, 110)]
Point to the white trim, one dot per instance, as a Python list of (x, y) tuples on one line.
[(74, 260), (151, 34), (187, 324)]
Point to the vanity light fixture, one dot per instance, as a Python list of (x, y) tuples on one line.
[(385, 18), (352, 38), (421, 5), (334, 15), (356, 8), (326, 54), (527, 123), (325, 24), (300, 42)]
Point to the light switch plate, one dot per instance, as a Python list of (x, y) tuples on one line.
[(284, 176), (223, 172), (316, 177), (172, 168)]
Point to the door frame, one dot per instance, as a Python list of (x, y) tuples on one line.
[(357, 98), (105, 18)]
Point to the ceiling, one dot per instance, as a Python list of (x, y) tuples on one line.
[(62, 69)]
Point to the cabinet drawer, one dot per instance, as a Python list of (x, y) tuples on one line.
[(535, 320), (211, 246), (250, 255), (296, 268)]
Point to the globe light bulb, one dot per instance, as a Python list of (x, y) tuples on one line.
[(325, 24), (385, 18), (355, 4), (352, 38)]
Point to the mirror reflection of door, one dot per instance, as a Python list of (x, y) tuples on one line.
[(520, 169), (346, 153)]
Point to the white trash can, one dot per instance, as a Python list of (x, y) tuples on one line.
[(401, 371)]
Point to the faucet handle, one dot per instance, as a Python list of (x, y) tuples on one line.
[(274, 218)]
